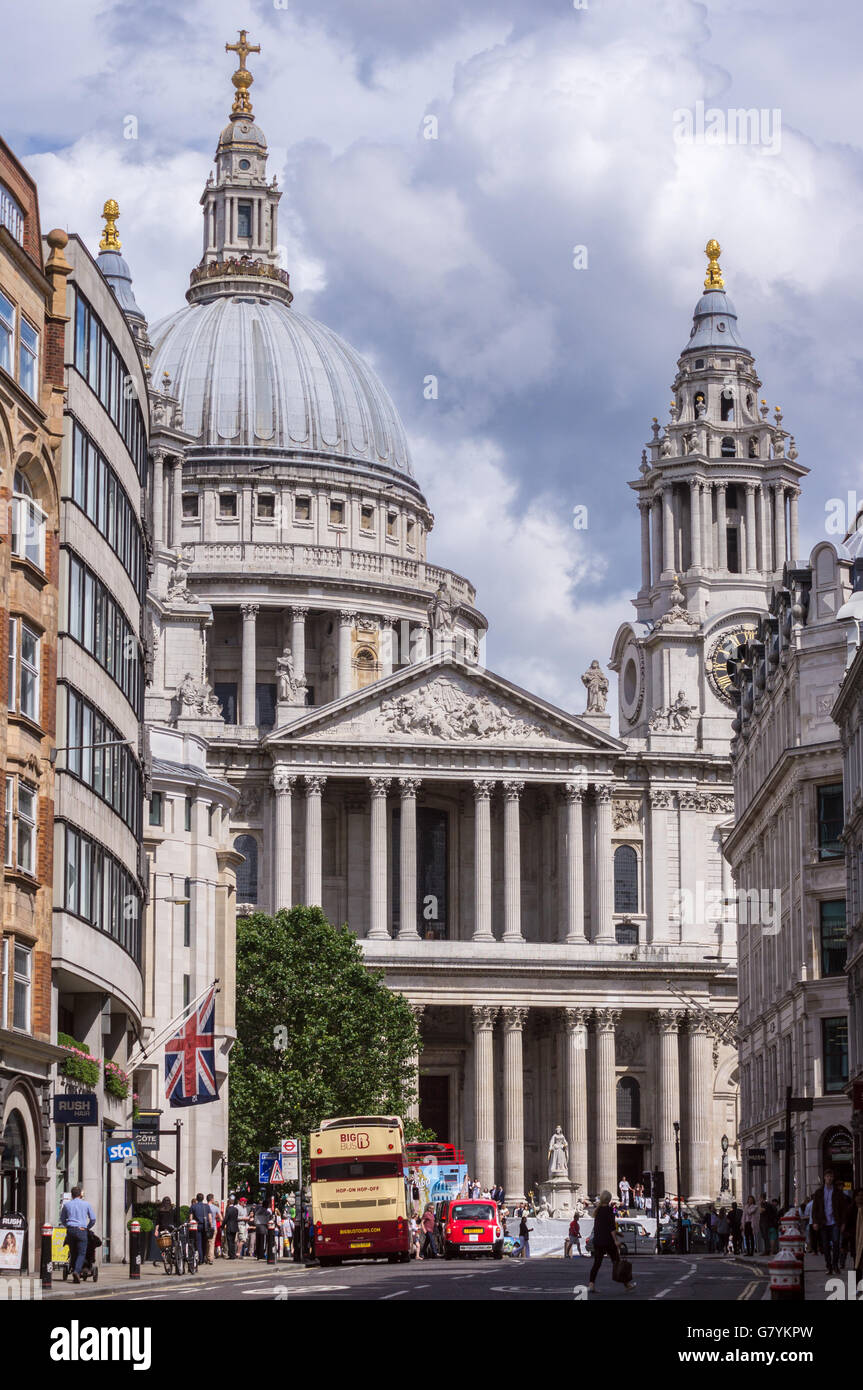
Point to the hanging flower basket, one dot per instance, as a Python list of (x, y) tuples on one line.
[(116, 1081), (79, 1065)]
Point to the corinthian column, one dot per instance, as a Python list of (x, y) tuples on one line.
[(605, 1021), (603, 925), (656, 565), (575, 1091), (512, 862), (667, 530), (158, 499), (249, 664), (283, 786), (699, 1108), (482, 861), (347, 621), (378, 928), (409, 787), (572, 923), (795, 530), (779, 519), (387, 646), (314, 848), (751, 535), (483, 1047), (177, 509), (644, 509), (722, 529), (695, 523), (514, 1020), (665, 1024), (298, 641)]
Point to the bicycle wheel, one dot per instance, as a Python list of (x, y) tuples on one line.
[(193, 1258)]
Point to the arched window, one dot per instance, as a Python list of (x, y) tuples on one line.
[(14, 1166), (727, 448), (625, 879), (726, 404), (247, 873), (626, 933), (628, 1103), (366, 666), (700, 404), (753, 446)]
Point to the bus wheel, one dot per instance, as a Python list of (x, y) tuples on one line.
[(393, 1259)]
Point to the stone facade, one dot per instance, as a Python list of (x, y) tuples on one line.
[(787, 854), (31, 399)]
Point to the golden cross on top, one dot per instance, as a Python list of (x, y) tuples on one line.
[(242, 78), (242, 49)]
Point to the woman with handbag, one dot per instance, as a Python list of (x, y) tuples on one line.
[(606, 1242)]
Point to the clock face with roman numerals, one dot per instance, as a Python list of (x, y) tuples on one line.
[(723, 651)]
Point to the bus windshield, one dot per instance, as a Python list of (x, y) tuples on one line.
[(357, 1168)]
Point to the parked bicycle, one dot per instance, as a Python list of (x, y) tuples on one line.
[(179, 1250)]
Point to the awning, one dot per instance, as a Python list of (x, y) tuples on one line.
[(155, 1164), (143, 1181)]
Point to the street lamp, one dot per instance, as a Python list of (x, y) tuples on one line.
[(679, 1198)]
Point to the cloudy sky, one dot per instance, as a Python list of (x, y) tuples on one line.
[(556, 128)]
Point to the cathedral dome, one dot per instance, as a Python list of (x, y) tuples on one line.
[(253, 374)]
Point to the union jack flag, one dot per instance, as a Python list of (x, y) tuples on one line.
[(190, 1058)]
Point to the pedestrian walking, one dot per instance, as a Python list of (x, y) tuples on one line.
[(773, 1226), (262, 1221), (428, 1241), (287, 1234), (243, 1227), (625, 1193), (723, 1231), (216, 1219), (605, 1241), (852, 1232), (414, 1235), (811, 1238), (524, 1233), (829, 1210), (230, 1228), (735, 1218), (78, 1217), (750, 1221), (200, 1212)]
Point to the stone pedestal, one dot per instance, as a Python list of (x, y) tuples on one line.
[(287, 710), (560, 1195)]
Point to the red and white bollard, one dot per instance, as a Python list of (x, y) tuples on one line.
[(45, 1262), (791, 1234), (786, 1277)]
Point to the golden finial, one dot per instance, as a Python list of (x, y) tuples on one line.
[(110, 240), (713, 279), (242, 78)]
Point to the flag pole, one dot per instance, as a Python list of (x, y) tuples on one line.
[(138, 1057)]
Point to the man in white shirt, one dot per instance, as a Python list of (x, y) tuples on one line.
[(624, 1195)]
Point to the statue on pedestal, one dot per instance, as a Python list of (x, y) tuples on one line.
[(286, 681), (558, 1155), (597, 688)]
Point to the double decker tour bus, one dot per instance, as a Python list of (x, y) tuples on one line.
[(360, 1192), (438, 1172)]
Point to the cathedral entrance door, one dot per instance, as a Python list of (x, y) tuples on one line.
[(434, 1106), (630, 1163)]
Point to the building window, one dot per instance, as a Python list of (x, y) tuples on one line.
[(187, 991), (187, 912), (24, 654), (100, 626), (626, 933), (28, 360), (392, 524), (247, 873), (625, 879), (101, 891), (102, 759), (367, 518), (22, 979), (11, 214), (10, 826), (831, 819), (26, 828), (244, 219), (266, 506), (7, 333), (834, 946), (727, 448), (28, 525), (628, 1103), (187, 814), (303, 509), (227, 504), (411, 533), (156, 808), (726, 405), (265, 705), (190, 506), (102, 367), (226, 694), (98, 492), (337, 513), (432, 913), (834, 1033)]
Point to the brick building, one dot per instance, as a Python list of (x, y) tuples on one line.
[(32, 314)]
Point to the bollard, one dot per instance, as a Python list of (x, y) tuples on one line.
[(135, 1250), (46, 1265), (271, 1242), (786, 1277)]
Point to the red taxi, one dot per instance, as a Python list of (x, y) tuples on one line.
[(471, 1226)]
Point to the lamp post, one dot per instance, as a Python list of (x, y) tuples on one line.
[(679, 1198)]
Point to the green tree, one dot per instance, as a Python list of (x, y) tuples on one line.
[(319, 1034)]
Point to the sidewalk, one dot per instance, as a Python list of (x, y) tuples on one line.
[(154, 1279), (815, 1276)]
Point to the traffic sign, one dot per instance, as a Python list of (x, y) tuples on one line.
[(290, 1147), (267, 1162)]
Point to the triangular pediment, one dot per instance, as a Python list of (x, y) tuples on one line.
[(444, 701)]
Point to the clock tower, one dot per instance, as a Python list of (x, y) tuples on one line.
[(718, 491)]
